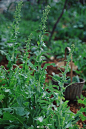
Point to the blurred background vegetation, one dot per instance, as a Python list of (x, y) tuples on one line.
[(66, 25)]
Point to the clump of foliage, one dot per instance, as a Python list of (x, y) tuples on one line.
[(24, 100)]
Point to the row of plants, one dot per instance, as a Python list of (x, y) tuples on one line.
[(25, 102)]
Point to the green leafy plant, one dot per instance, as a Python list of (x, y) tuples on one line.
[(62, 109), (24, 100), (22, 92)]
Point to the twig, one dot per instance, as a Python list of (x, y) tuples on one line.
[(57, 21)]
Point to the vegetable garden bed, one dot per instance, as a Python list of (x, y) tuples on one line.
[(28, 99), (74, 105)]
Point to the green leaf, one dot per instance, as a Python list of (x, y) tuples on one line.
[(1, 96), (20, 111), (3, 53), (83, 118), (12, 117), (82, 101), (20, 100), (31, 65)]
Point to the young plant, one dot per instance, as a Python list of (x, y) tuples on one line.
[(65, 118)]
